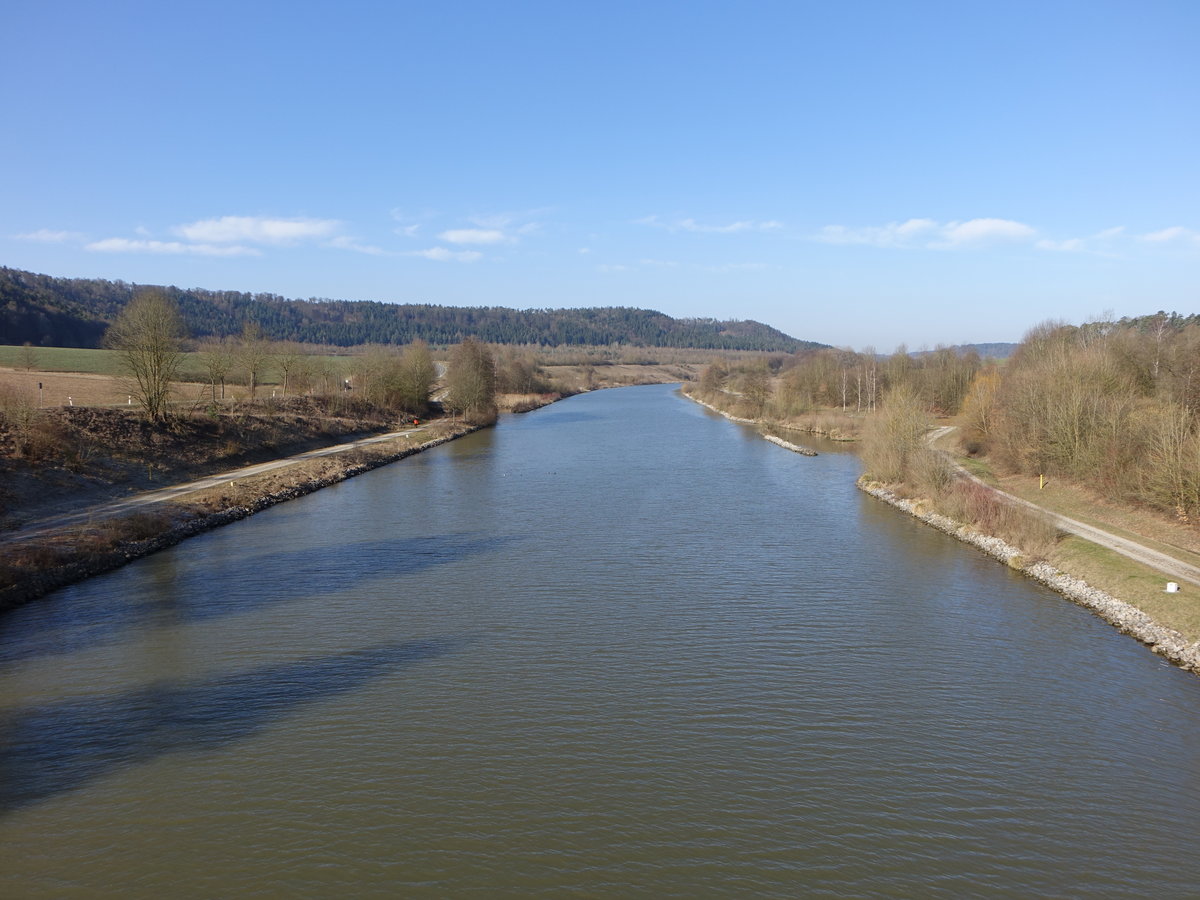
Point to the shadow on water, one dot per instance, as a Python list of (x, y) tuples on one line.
[(62, 624), (46, 750)]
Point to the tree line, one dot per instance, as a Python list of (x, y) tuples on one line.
[(783, 387), (149, 334), (1115, 405), (74, 312), (1111, 404)]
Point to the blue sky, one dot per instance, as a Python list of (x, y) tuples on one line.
[(858, 173)]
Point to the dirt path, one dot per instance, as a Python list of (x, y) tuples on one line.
[(175, 492), (1168, 565)]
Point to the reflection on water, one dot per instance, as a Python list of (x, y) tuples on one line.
[(615, 647)]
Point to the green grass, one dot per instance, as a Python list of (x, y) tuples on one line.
[(106, 362), (62, 359), (1132, 582), (977, 467)]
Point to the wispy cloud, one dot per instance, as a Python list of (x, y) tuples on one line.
[(127, 245), (410, 224), (691, 225), (929, 234), (1176, 234), (442, 254), (345, 242), (476, 236), (237, 236), (257, 230), (1101, 242), (48, 236)]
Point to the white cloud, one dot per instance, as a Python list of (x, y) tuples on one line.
[(495, 228), (505, 220), (1072, 245), (125, 245), (408, 230), (257, 230), (695, 227), (1174, 234), (46, 236), (475, 236), (1101, 242), (441, 254), (344, 242), (980, 231), (928, 234)]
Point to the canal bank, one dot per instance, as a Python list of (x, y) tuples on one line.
[(50, 559), (1123, 616)]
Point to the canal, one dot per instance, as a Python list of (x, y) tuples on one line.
[(614, 647)]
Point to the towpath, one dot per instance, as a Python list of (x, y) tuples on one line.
[(1168, 565), (125, 505)]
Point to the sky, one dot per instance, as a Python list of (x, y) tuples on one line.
[(863, 174)]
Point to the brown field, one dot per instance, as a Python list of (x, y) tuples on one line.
[(83, 389)]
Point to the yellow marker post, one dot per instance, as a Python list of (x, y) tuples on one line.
[(1041, 482)]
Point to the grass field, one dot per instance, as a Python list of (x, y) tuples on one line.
[(60, 359), (1132, 582), (105, 362), (85, 389), (1100, 567)]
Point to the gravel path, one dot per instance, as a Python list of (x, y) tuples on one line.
[(1168, 565), (174, 492)]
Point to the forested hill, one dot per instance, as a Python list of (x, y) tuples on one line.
[(74, 312)]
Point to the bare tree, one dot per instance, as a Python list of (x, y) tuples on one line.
[(253, 354), (148, 338), (756, 388), (712, 379), (471, 381), (217, 358), (287, 361), (896, 435), (415, 378)]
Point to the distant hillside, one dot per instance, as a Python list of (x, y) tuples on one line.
[(74, 312), (999, 350), (986, 351)]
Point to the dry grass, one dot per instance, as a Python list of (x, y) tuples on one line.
[(82, 389), (831, 423), (1143, 524), (983, 508)]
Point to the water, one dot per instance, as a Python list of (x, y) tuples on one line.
[(615, 647)]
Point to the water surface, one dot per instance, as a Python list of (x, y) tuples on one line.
[(615, 647)]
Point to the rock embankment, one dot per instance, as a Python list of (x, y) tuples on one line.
[(1125, 617), (788, 445), (720, 412), (178, 522)]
